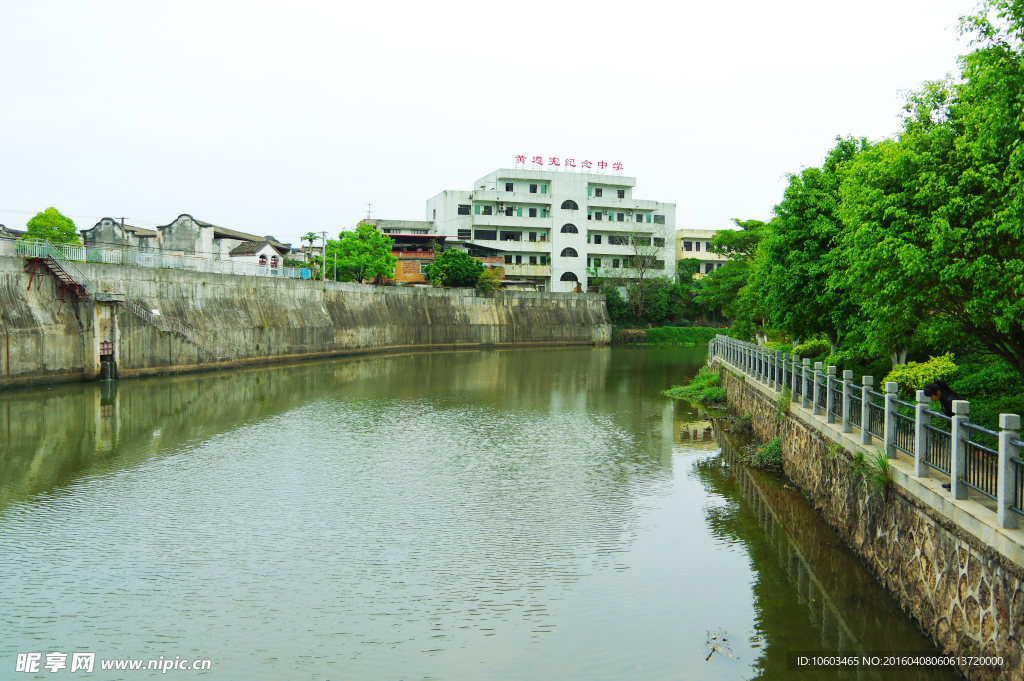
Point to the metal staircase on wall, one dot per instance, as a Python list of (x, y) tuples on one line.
[(71, 279)]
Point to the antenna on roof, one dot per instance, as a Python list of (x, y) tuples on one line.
[(369, 211)]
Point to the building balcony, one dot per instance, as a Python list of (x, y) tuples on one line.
[(621, 204), (511, 198), (413, 255), (514, 246), (502, 221), (527, 270)]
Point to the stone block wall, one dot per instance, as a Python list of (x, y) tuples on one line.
[(968, 597)]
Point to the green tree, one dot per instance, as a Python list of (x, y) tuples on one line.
[(455, 268), (362, 255), (52, 226), (729, 289), (799, 270), (489, 279)]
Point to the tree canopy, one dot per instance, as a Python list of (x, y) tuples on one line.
[(52, 226), (455, 268), (361, 255)]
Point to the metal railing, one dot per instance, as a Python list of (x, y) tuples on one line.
[(64, 253), (977, 458)]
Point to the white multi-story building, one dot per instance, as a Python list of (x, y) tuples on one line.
[(694, 243), (550, 226)]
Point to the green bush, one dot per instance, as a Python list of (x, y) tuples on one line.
[(489, 280), (769, 455), (744, 425), (681, 335), (991, 385), (914, 376), (455, 268), (813, 348), (703, 388)]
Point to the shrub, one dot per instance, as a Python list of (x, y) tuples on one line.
[(744, 425), (769, 455), (455, 268), (489, 280), (913, 376), (813, 348), (703, 388), (678, 335)]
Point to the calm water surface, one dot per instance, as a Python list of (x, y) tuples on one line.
[(519, 514)]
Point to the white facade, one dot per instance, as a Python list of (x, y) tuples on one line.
[(528, 217), (694, 243)]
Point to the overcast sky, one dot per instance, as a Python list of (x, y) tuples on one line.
[(286, 117)]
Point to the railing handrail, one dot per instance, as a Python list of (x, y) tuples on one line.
[(994, 473)]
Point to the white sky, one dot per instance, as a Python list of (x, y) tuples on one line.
[(286, 117)]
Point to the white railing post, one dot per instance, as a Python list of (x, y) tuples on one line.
[(765, 366), (921, 436), (865, 409), (958, 434), (1009, 428), (891, 389), (815, 402), (805, 371), (847, 392), (785, 372), (793, 396), (830, 400)]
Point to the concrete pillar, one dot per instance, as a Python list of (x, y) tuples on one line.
[(805, 374), (830, 384), (793, 384), (957, 450), (865, 409), (785, 372), (1006, 491), (921, 435), (891, 388), (815, 401), (847, 393)]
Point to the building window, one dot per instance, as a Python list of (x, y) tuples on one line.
[(597, 238), (519, 211), (615, 263), (486, 235), (570, 253), (590, 191), (510, 211), (463, 209), (543, 189), (533, 260), (476, 210), (617, 240), (508, 259), (659, 242), (708, 266), (622, 193), (687, 245), (621, 217), (533, 189), (589, 216), (659, 219), (424, 266), (639, 217), (569, 229), (464, 234), (543, 235), (263, 260), (569, 276), (488, 210), (597, 262), (519, 260), (588, 238), (696, 245), (543, 260), (598, 191), (511, 236), (508, 186), (543, 212), (598, 214), (588, 262), (273, 261), (533, 236), (569, 204), (533, 212)]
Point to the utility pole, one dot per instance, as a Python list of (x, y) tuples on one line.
[(323, 272), (122, 241)]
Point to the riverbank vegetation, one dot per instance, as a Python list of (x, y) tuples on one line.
[(903, 257), (704, 388), (665, 335)]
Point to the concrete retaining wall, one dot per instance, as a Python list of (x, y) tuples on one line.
[(263, 319), (945, 561)]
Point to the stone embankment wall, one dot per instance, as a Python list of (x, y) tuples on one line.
[(946, 562), (262, 319)]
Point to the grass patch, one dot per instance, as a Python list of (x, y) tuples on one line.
[(704, 388), (782, 405), (767, 456), (678, 335), (873, 470), (744, 425)]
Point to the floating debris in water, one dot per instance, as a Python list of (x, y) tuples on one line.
[(718, 644)]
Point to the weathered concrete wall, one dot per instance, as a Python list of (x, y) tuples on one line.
[(265, 319), (950, 567)]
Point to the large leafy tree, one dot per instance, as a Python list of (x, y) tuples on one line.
[(799, 262), (730, 288), (936, 216), (362, 255), (455, 268), (52, 226)]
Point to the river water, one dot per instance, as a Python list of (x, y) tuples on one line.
[(498, 514)]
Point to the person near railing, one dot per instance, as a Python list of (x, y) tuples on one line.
[(939, 392)]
